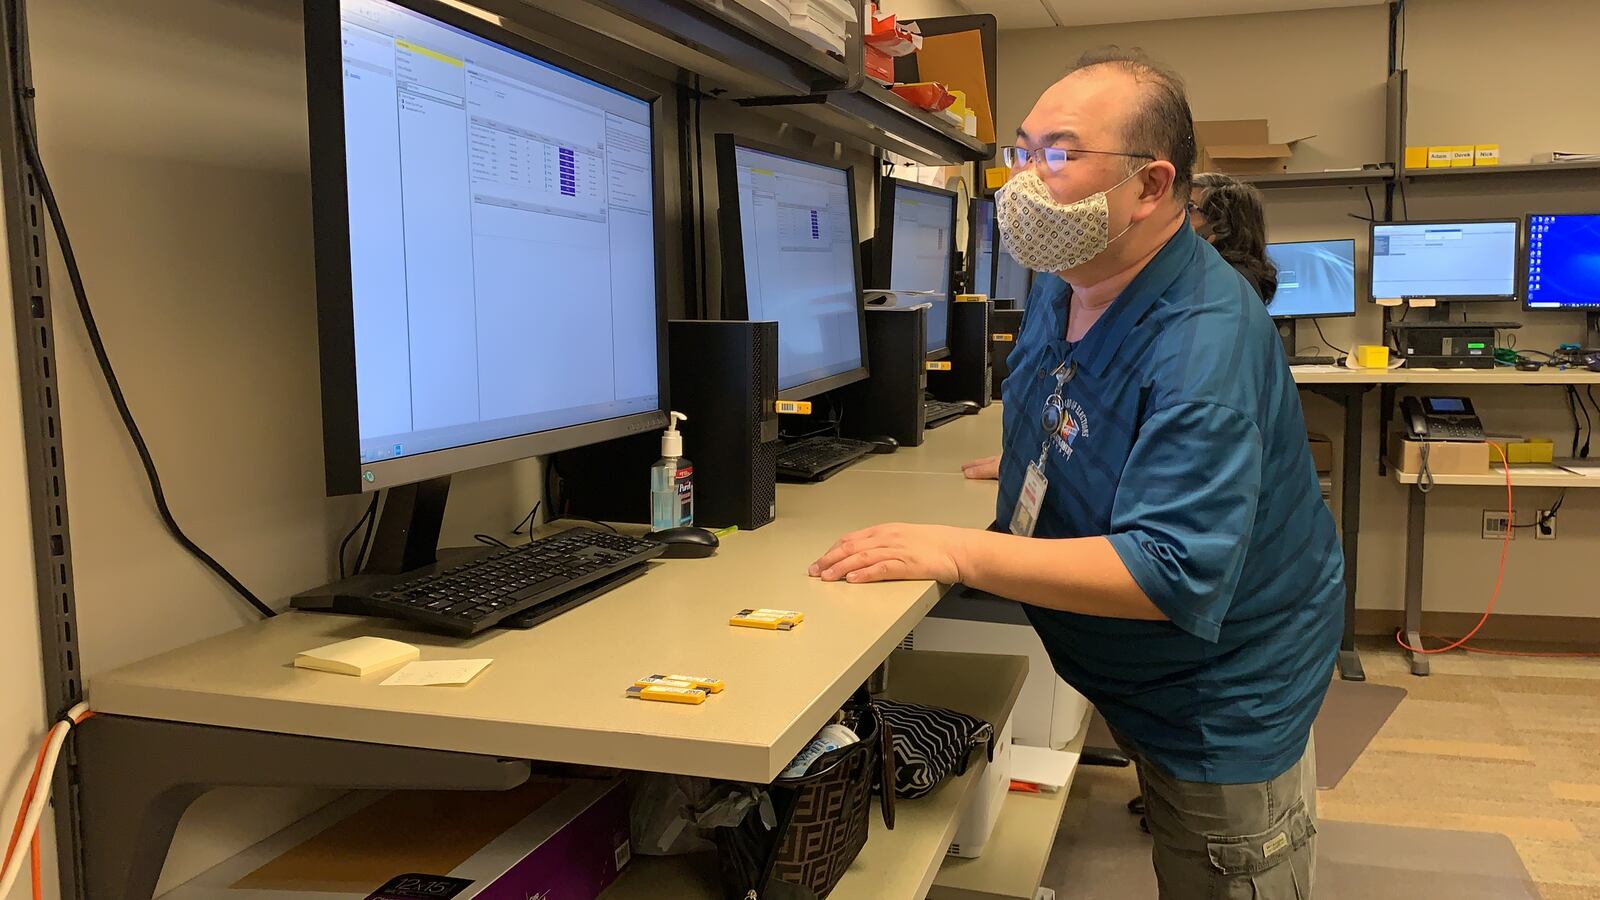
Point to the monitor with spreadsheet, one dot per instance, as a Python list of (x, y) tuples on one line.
[(1315, 278), (980, 256), (1562, 263), (789, 255), (914, 250), (487, 220), (1469, 259)]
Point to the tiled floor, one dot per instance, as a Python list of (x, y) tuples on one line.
[(1489, 743)]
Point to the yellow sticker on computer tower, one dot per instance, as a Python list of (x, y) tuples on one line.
[(942, 365), (1002, 338), (794, 407)]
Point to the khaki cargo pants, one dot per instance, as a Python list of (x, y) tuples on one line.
[(1232, 841)]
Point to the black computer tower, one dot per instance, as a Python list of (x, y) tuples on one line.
[(724, 377), (890, 401), (969, 376), (1004, 326)]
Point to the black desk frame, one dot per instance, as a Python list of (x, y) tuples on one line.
[(1350, 396)]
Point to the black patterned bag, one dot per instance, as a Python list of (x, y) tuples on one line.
[(807, 830), (931, 744)]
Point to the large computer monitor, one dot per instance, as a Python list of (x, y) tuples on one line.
[(982, 246), (1563, 261), (1011, 280), (789, 255), (914, 250), (1315, 279), (1469, 259), (487, 224)]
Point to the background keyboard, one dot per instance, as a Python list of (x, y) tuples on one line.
[(816, 458)]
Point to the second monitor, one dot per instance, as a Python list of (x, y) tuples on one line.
[(1316, 279), (914, 250)]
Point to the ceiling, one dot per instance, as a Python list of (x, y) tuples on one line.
[(1044, 13)]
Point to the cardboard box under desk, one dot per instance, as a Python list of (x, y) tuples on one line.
[(1321, 451), (1444, 457), (550, 837)]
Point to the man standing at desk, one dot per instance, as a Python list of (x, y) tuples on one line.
[(1162, 517)]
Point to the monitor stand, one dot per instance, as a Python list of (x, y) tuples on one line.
[(407, 536), (1592, 337), (1286, 332)]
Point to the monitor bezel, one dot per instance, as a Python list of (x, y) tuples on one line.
[(972, 245), (1372, 246), (883, 247), (346, 474), (735, 291), (1355, 289), (1592, 307)]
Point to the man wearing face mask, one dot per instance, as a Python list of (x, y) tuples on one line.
[(1159, 515)]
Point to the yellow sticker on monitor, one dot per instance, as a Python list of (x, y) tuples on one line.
[(942, 365), (795, 407)]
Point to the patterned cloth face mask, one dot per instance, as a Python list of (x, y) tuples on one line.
[(1047, 236)]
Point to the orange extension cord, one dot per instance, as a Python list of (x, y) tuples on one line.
[(22, 814), (1505, 549)]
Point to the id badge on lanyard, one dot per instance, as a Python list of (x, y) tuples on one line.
[(1025, 517)]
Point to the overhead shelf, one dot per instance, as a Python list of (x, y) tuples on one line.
[(874, 116), (894, 864), (1362, 178), (1537, 169), (729, 46)]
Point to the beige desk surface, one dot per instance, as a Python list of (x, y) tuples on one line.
[(1498, 376), (943, 449), (556, 692)]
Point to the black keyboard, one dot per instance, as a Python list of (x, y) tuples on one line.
[(817, 458), (1312, 361), (938, 412), (1499, 326), (468, 597)]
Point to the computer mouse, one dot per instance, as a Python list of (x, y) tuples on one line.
[(1594, 363), (1528, 365), (687, 542), (972, 407), (882, 443)]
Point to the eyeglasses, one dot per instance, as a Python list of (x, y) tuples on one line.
[(1054, 158)]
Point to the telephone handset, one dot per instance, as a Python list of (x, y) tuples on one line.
[(1442, 419)]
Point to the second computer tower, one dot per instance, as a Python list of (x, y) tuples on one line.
[(1004, 326), (890, 401), (969, 376)]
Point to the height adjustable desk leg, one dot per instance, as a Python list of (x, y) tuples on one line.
[(138, 776), (1350, 527), (1416, 522)]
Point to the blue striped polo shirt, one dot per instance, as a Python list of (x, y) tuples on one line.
[(1183, 442)]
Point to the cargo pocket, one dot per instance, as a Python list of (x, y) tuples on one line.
[(1272, 865)]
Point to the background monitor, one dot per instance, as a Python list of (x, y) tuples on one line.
[(1315, 278), (789, 256), (486, 221), (1011, 280), (1563, 261), (914, 247), (1460, 260), (982, 242)]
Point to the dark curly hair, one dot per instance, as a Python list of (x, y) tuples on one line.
[(1238, 223)]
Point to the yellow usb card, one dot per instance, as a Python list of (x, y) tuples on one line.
[(749, 618), (667, 694), (793, 615), (709, 685)]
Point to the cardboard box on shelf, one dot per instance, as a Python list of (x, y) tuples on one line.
[(1486, 155), (1439, 157), (1321, 451), (1444, 457), (1242, 147)]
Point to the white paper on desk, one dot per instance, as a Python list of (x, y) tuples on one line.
[(1047, 768), (1584, 467), (438, 671)]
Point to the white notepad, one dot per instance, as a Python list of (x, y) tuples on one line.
[(358, 656)]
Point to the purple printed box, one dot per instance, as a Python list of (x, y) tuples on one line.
[(553, 839)]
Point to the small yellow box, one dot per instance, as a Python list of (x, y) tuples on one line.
[(1461, 156), (1532, 450), (1439, 157), (1486, 155), (1416, 157), (971, 298), (996, 177), (1372, 356)]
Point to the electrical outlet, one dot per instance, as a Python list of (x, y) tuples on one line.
[(1494, 525), (1544, 528)]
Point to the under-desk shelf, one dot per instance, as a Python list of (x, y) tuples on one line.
[(1522, 475)]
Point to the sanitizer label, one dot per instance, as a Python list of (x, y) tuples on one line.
[(685, 484)]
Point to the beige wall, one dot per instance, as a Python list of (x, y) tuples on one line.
[(1480, 71)]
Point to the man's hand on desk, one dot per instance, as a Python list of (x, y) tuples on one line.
[(985, 469), (896, 552)]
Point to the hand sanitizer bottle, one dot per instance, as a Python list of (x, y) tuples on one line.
[(672, 481)]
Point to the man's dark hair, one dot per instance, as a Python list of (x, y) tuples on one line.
[(1162, 125), (1237, 221)]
